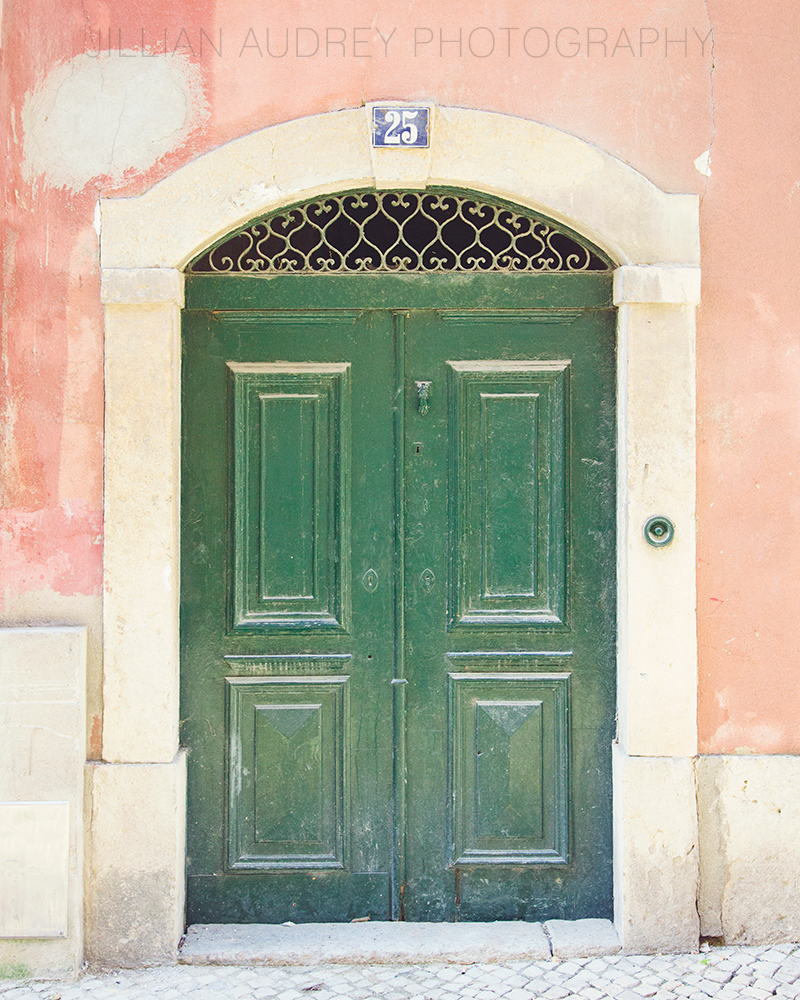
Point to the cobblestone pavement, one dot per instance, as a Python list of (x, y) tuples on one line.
[(719, 973)]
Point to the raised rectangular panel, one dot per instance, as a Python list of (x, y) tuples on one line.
[(34, 878), (508, 435), (287, 772), (291, 498), (509, 761)]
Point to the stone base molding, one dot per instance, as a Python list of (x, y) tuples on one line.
[(656, 855), (42, 756), (136, 835), (749, 813)]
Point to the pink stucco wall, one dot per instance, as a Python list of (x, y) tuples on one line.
[(643, 80), (749, 373)]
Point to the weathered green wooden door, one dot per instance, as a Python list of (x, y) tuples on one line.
[(398, 591), (508, 562), (288, 618)]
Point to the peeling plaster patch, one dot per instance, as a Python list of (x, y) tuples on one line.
[(765, 738), (703, 163), (764, 311), (100, 117), (255, 196), (721, 414), (57, 548)]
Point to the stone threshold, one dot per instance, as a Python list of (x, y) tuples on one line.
[(396, 943)]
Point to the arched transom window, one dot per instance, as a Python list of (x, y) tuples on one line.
[(431, 231)]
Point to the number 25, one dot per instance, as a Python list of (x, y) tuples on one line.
[(397, 120)]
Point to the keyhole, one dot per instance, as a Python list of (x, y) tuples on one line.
[(417, 447)]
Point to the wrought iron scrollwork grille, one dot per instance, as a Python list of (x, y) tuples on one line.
[(431, 232)]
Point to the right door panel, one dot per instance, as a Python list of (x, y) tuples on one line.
[(509, 558)]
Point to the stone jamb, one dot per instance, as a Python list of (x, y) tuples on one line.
[(145, 243)]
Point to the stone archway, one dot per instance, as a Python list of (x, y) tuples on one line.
[(137, 817)]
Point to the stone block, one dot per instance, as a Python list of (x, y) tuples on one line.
[(655, 853), (34, 847), (401, 167), (582, 938), (657, 284), (749, 812), (374, 942), (42, 757), (142, 286), (135, 862)]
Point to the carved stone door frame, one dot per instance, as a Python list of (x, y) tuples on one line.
[(138, 795)]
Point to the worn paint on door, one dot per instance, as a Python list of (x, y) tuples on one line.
[(398, 633)]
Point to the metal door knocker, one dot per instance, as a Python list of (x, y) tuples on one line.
[(423, 397)]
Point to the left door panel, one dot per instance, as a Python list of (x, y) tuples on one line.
[(287, 658)]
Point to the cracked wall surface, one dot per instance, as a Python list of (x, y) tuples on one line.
[(101, 117)]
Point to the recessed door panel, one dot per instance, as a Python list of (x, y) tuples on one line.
[(291, 503), (287, 773), (509, 428), (510, 768)]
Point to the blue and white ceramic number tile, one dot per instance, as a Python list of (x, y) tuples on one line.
[(400, 127)]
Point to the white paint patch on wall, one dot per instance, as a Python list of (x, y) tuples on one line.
[(703, 163), (103, 116)]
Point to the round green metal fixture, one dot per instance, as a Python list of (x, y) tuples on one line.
[(659, 530)]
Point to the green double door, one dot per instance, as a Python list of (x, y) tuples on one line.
[(397, 613)]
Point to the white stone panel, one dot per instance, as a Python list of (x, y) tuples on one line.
[(568, 179), (657, 659), (42, 758), (533, 164), (749, 811), (655, 853), (135, 861), (222, 190), (34, 879)]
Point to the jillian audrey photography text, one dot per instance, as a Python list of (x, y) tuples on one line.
[(476, 42)]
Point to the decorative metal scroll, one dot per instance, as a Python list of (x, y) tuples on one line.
[(390, 231)]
